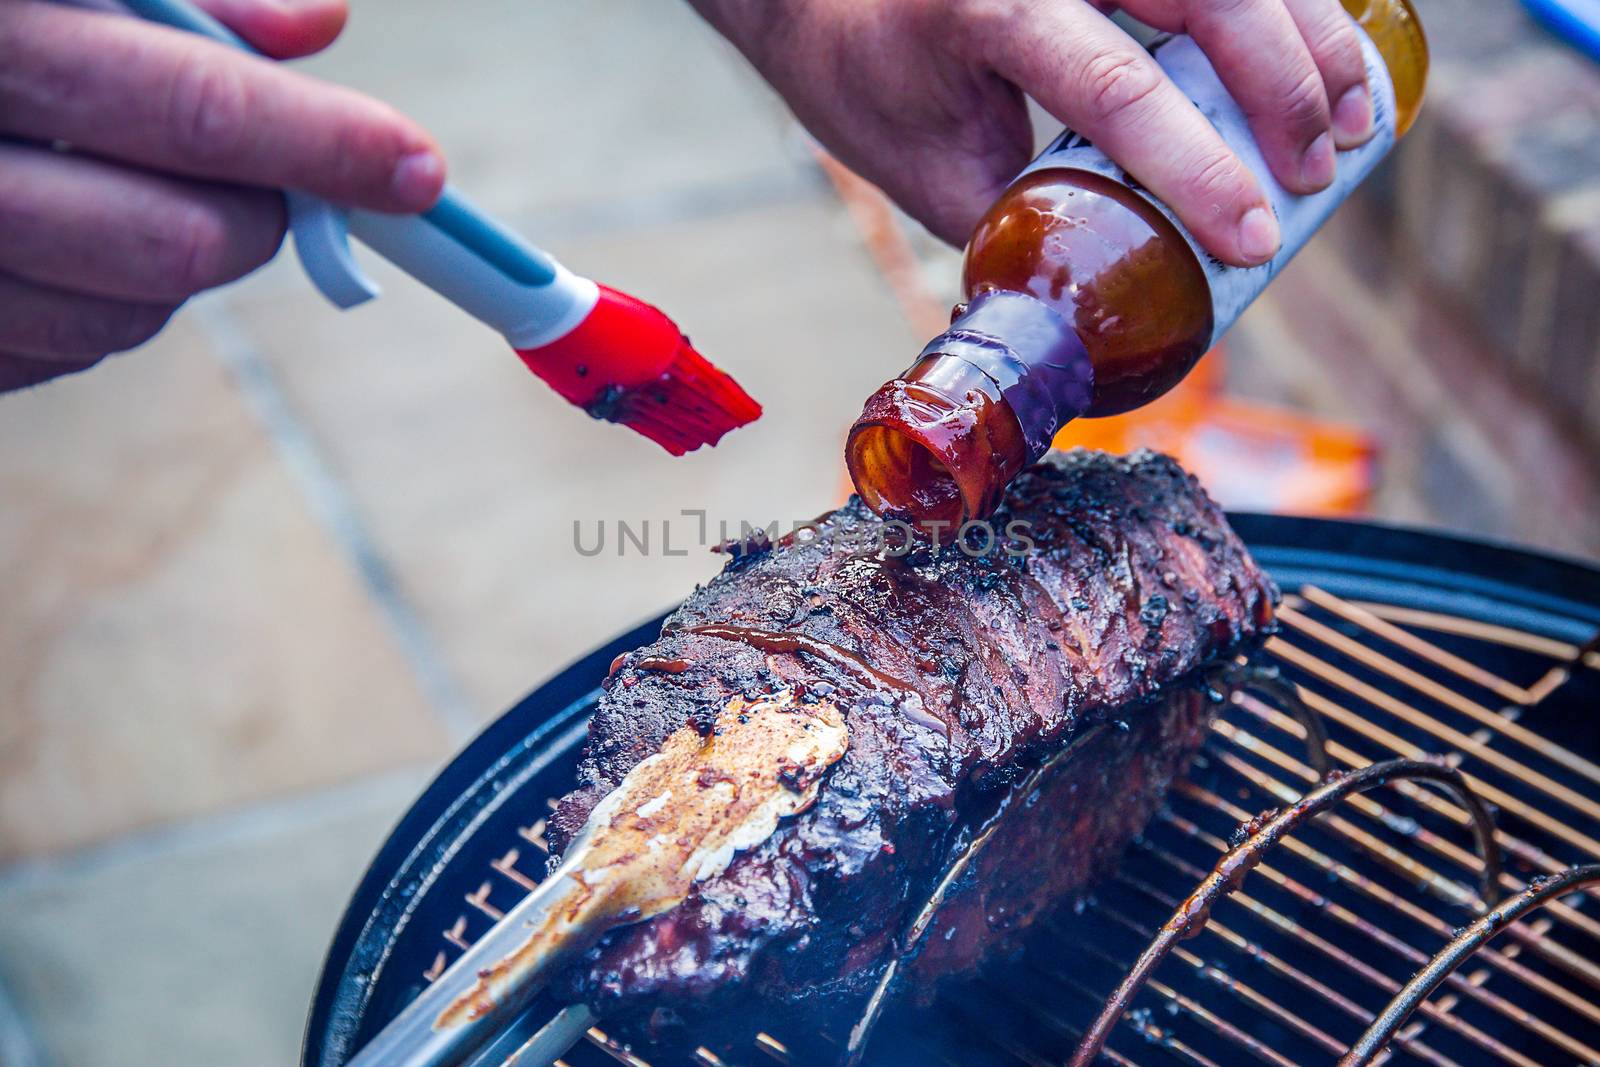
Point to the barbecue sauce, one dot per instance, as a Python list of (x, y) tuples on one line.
[(790, 642), (1084, 297)]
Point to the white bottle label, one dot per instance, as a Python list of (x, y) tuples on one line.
[(1233, 288)]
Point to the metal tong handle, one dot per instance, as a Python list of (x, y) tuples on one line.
[(412, 1038)]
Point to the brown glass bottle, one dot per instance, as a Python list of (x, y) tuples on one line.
[(1083, 297)]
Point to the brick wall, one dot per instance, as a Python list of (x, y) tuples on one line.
[(1498, 198), (1453, 307)]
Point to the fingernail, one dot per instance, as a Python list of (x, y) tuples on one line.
[(1258, 235), (418, 178), (1352, 116), (1316, 165)]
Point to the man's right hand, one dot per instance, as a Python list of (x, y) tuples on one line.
[(139, 165), (926, 98)]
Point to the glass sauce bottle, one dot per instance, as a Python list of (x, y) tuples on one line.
[(1084, 296)]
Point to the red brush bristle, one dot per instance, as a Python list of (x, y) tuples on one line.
[(693, 403), (628, 363)]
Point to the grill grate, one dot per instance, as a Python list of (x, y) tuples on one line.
[(1294, 966)]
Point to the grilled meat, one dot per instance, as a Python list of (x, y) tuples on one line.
[(953, 819)]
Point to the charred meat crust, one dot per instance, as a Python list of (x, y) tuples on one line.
[(959, 674)]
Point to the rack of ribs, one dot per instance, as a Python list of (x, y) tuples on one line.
[(1016, 703)]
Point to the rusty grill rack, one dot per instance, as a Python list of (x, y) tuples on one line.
[(1297, 963)]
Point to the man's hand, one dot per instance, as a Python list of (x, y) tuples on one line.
[(925, 97), (138, 163)]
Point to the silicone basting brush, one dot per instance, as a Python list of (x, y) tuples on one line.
[(615, 356)]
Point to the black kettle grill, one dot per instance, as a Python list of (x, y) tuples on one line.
[(1403, 643)]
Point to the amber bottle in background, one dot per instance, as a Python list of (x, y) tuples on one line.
[(1084, 296)]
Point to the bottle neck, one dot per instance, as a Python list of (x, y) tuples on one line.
[(1030, 352), (937, 446)]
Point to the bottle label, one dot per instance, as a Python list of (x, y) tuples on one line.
[(1234, 288)]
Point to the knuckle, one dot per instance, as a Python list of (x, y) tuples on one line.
[(952, 12), (1216, 179), (145, 322), (945, 24), (134, 324), (1117, 82), (105, 328), (367, 153), (1334, 37), (192, 251), (76, 334), (207, 109), (1221, 10), (964, 12), (1304, 102), (988, 17), (358, 158)]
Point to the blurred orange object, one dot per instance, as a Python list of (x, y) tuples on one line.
[(1247, 455)]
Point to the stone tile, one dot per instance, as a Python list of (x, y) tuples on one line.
[(204, 951), (554, 105), (471, 474), (178, 634), (18, 1046)]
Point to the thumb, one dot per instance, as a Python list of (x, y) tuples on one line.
[(952, 188), (282, 29), (950, 174)]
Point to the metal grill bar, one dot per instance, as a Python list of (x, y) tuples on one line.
[(1146, 1029), (1373, 848), (1413, 955), (1321, 904), (599, 1039), (1042, 1013), (1447, 889), (1265, 833), (1233, 986), (1210, 1020), (1567, 960), (1426, 877), (1518, 848), (1513, 845), (772, 1047), (1400, 747), (1250, 950), (1561, 651), (1377, 626), (1372, 1042), (1454, 739), (1495, 721)]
